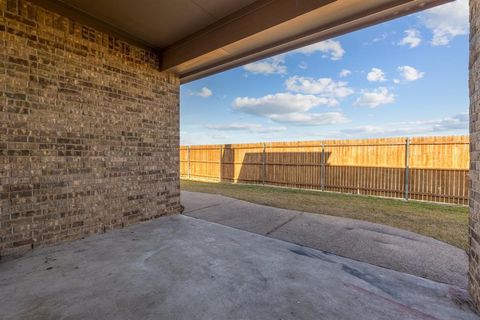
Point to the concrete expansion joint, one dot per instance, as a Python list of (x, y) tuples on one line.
[(210, 206), (283, 224)]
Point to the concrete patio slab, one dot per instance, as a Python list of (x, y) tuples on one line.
[(179, 267), (376, 244)]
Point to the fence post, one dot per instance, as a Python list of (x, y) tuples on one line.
[(263, 164), (220, 164), (188, 157), (322, 168), (407, 167)]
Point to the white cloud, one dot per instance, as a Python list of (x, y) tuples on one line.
[(410, 73), (380, 38), (303, 65), (204, 93), (396, 81), (454, 123), (331, 48), (447, 21), (289, 108), (412, 38), (376, 75), (457, 122), (279, 103), (219, 136), (274, 65), (250, 127), (375, 98), (324, 87), (312, 119), (374, 131), (344, 73)]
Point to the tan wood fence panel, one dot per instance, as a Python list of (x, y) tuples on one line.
[(242, 163), (293, 164), (205, 162), (184, 165), (422, 168)]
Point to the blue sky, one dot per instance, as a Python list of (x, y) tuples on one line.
[(406, 77)]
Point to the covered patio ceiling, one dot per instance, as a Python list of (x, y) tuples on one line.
[(197, 38)]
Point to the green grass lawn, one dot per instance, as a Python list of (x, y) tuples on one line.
[(447, 223)]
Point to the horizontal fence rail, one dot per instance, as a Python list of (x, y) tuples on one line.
[(422, 168)]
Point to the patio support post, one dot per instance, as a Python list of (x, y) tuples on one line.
[(474, 175)]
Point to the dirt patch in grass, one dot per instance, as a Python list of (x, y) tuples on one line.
[(447, 223)]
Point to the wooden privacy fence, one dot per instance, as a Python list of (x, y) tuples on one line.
[(421, 168)]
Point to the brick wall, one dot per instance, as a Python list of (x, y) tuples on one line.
[(89, 131), (474, 271)]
